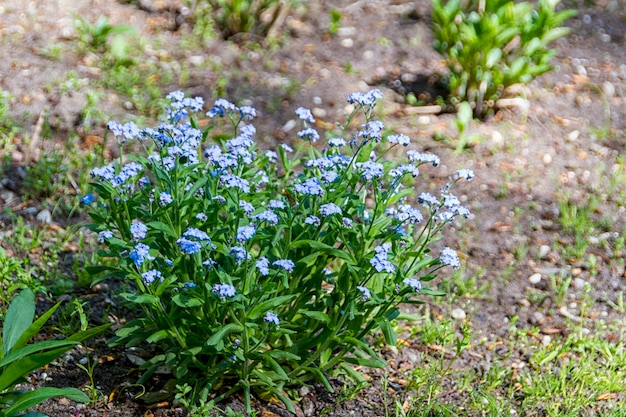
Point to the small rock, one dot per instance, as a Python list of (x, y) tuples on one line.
[(347, 43), (458, 314), (44, 216), (317, 100), (534, 278), (573, 135), (423, 120), (544, 251), (581, 70), (319, 112), (497, 138), (547, 158), (576, 271), (539, 318), (609, 89), (304, 391), (524, 303), (545, 340), (63, 401), (289, 125)]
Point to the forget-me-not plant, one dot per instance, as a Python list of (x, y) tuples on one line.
[(261, 270)]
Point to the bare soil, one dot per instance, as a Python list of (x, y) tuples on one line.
[(562, 145)]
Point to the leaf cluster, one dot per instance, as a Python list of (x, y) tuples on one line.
[(306, 284), (18, 359), (490, 45)]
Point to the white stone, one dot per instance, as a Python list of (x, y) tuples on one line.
[(547, 158), (458, 314), (347, 43), (534, 278)]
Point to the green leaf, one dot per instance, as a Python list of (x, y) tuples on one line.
[(18, 354), (390, 335), (34, 328), (266, 306), (317, 315), (282, 355), (32, 398), (160, 335), (18, 318), (493, 57), (141, 298), (217, 339), (185, 301), (314, 244), (165, 228)]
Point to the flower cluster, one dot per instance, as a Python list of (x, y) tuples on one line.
[(239, 249)]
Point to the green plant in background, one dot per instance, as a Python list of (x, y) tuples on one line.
[(18, 360), (94, 37), (257, 271), (490, 45), (256, 17), (335, 21)]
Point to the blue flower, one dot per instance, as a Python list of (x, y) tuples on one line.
[(379, 260), (87, 199), (399, 139), (311, 186), (246, 207), (104, 235), (247, 112), (305, 115), (365, 293), (336, 142), (402, 169), (197, 234), (277, 204), (449, 257), (370, 170), (314, 220), (263, 265), (468, 174), (271, 156), (422, 158), (413, 283), (286, 147), (346, 223), (428, 200), (285, 264), (233, 181), (309, 134), (405, 212), (245, 233), (224, 290), (138, 230), (188, 247), (367, 99), (272, 318), (202, 217), (140, 254), (267, 216), (329, 209), (239, 253), (149, 276), (165, 198)]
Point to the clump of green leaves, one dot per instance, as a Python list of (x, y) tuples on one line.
[(17, 359), (256, 17), (490, 45), (257, 271), (95, 37)]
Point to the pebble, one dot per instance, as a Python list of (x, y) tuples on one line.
[(347, 43), (609, 89), (539, 318), (545, 340), (605, 37), (497, 138), (544, 251), (196, 60), (458, 314), (368, 55), (581, 70), (547, 158), (579, 283), (423, 120), (44, 216), (573, 135), (289, 125), (319, 112), (534, 278)]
